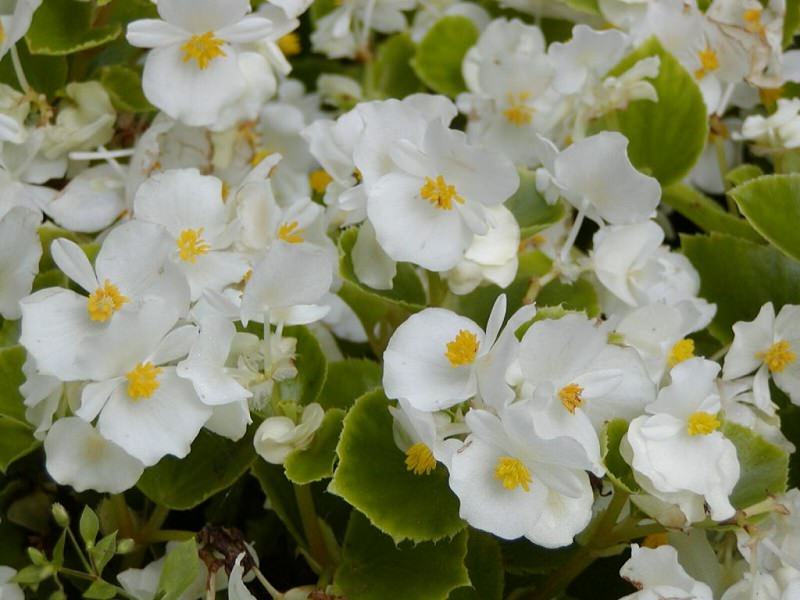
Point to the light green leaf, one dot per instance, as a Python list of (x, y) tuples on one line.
[(619, 472), (312, 368), (372, 476), (16, 441), (181, 568), (347, 380), (668, 136), (11, 377), (705, 213), (740, 276), (791, 21), (374, 568), (531, 210), (89, 526), (214, 464), (9, 332), (390, 74), (316, 462), (578, 296), (742, 173), (100, 590), (772, 205), (485, 566), (764, 466), (65, 26), (104, 551), (124, 87), (441, 52)]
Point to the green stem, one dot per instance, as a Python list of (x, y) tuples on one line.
[(77, 574), (155, 522), (308, 515), (79, 552), (18, 70), (273, 593)]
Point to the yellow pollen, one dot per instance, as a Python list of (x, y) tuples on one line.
[(289, 233), (513, 474), (571, 397), (290, 44), (258, 157), (105, 301), (681, 351), (357, 175), (420, 460), (778, 356), (518, 113), (702, 423), (752, 19), (143, 380), (463, 349), (203, 48), (191, 245), (654, 540), (439, 193), (2, 34), (709, 61), (319, 180), (226, 191), (769, 96)]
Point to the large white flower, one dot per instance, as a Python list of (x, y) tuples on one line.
[(656, 573), (15, 19), (20, 251)]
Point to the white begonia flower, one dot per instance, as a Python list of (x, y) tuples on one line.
[(20, 251), (193, 72), (78, 456), (260, 365), (512, 483), (577, 381), (625, 14), (420, 435), (9, 590), (429, 208), (85, 121), (237, 590), (775, 542), (677, 452), (190, 207), (90, 202), (277, 437), (437, 359), (656, 573), (586, 57), (706, 174), (768, 345), (759, 586), (42, 397), (135, 298), (145, 407), (15, 19), (778, 131)]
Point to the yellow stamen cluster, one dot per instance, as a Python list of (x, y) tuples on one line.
[(709, 62), (259, 156), (769, 96), (778, 356), (518, 113), (439, 193), (203, 48), (290, 44), (143, 381), (752, 20), (2, 34), (319, 180), (105, 301), (571, 397), (290, 233), (681, 351), (702, 423), (191, 245), (655, 540), (463, 349), (420, 460), (513, 474)]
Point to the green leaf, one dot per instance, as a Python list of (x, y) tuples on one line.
[(100, 590), (214, 464), (311, 369), (104, 551), (280, 496), (705, 213), (374, 568), (181, 568), (485, 566), (522, 557), (619, 472), (316, 462), (791, 21), (372, 476), (772, 205), (9, 333), (48, 233), (124, 87), (668, 136), (530, 209), (16, 441), (578, 296), (390, 74), (742, 173), (740, 276), (65, 26), (441, 52), (11, 377), (764, 466), (45, 74), (89, 526), (347, 380)]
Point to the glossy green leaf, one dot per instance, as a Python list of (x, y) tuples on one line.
[(531, 210), (65, 26), (214, 464), (45, 74), (311, 369), (740, 276), (578, 296), (764, 466), (742, 173), (11, 377), (390, 74), (668, 136), (347, 380), (372, 476), (374, 568), (485, 566), (791, 21), (16, 441), (316, 462), (441, 52), (772, 205), (124, 87), (280, 495), (181, 568), (619, 472)]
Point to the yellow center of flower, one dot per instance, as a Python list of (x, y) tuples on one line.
[(419, 459), (290, 44), (655, 540), (778, 356), (143, 380), (319, 180), (681, 351), (702, 423), (439, 193), (709, 61), (571, 397), (203, 48), (513, 474), (752, 20), (2, 34), (518, 113), (104, 302), (290, 233), (191, 245), (769, 96), (259, 156), (463, 349)]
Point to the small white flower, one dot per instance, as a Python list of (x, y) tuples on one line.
[(8, 590), (277, 437), (657, 574), (20, 251)]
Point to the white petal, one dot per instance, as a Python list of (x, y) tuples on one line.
[(200, 16), (154, 33), (20, 251), (73, 262)]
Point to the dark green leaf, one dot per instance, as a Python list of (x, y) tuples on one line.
[(764, 466), (619, 472), (485, 566), (65, 26), (347, 380), (316, 462), (124, 87)]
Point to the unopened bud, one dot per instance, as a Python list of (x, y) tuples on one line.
[(37, 557), (125, 546), (60, 515)]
